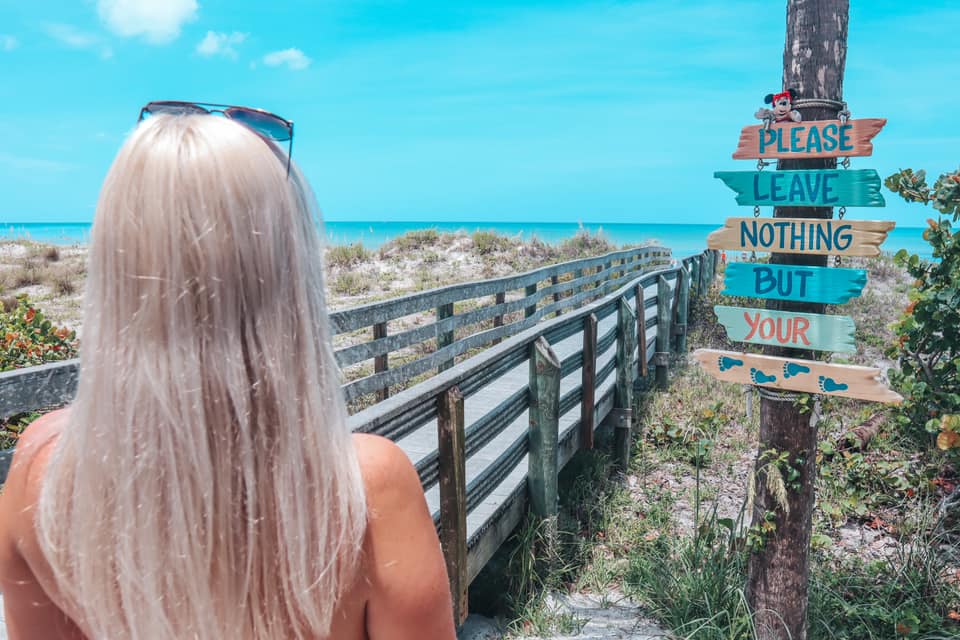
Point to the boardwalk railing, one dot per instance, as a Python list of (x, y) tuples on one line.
[(489, 434)]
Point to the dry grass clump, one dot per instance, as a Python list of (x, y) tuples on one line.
[(347, 255)]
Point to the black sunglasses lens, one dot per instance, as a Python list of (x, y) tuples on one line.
[(267, 125), (173, 108)]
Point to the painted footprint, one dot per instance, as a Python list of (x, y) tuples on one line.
[(760, 377), (829, 384), (729, 363), (791, 369)]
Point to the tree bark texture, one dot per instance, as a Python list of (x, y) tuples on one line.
[(814, 58)]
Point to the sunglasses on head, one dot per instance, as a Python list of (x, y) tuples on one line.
[(263, 123)]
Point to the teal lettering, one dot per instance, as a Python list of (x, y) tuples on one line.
[(824, 239), (813, 189), (802, 275), (764, 141), (845, 144), (776, 188), (748, 239), (828, 189), (842, 237), (766, 235), (780, 147), (782, 231), (813, 141), (764, 280), (796, 189), (796, 235), (830, 137), (757, 196), (795, 139)]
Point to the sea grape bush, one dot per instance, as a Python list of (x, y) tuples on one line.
[(929, 329), (27, 338)]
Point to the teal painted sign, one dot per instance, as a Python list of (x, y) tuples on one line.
[(788, 328), (793, 282), (813, 188)]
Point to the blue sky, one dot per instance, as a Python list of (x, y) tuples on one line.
[(466, 111)]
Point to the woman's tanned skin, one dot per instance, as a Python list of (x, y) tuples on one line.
[(400, 593)]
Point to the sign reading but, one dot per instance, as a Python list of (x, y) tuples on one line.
[(793, 282)]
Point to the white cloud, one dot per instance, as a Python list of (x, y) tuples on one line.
[(293, 58), (77, 39), (221, 44), (158, 21), (8, 43)]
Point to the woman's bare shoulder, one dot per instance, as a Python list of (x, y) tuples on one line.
[(383, 464), (33, 448)]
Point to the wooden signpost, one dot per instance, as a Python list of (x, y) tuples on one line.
[(813, 188), (816, 139), (792, 282), (802, 235), (862, 383), (788, 328)]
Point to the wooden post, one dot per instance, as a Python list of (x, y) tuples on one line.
[(641, 332), (529, 291), (499, 298), (695, 275), (544, 414), (380, 363), (661, 358), (446, 338), (623, 401), (683, 309), (451, 443), (555, 280), (702, 280), (588, 381)]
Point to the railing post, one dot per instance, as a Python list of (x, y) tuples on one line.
[(453, 496), (544, 414), (695, 274), (683, 308), (588, 381), (641, 332), (662, 356), (499, 298), (623, 400), (446, 338), (554, 281), (702, 280), (529, 291), (380, 363)]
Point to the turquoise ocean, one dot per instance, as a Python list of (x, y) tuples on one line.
[(682, 239)]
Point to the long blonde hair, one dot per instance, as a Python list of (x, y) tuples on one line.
[(206, 485)]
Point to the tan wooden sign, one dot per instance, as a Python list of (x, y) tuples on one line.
[(792, 374), (802, 235), (815, 139)]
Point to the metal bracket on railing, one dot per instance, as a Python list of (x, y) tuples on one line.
[(619, 417), (680, 329), (661, 359)]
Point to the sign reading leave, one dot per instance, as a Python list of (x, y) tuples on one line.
[(802, 235), (814, 188), (816, 139), (793, 282), (788, 328)]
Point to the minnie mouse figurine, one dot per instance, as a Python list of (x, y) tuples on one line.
[(783, 110)]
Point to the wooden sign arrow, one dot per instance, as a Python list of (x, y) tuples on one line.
[(788, 329), (814, 139), (791, 282), (808, 376), (813, 188), (802, 235)]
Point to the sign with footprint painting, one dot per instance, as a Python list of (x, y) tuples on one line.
[(788, 328), (792, 374)]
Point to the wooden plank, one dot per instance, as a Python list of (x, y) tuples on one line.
[(802, 235), (380, 363), (626, 347), (641, 311), (793, 282), (812, 188), (663, 332), (588, 372), (788, 328), (453, 496), (445, 338), (814, 139), (683, 310), (498, 299), (32, 388), (544, 418), (808, 376)]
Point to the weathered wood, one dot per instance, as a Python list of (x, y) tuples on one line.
[(446, 338), (812, 188), (498, 300), (663, 331), (793, 282), (802, 235), (380, 363), (861, 435), (788, 328), (453, 496), (641, 311), (47, 385), (588, 372), (554, 281), (815, 139), (529, 292), (695, 275), (544, 416), (683, 310), (626, 347), (674, 314), (794, 374)]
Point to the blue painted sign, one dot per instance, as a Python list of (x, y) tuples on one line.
[(793, 282), (788, 328), (813, 188)]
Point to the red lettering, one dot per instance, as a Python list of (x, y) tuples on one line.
[(752, 320), (800, 326)]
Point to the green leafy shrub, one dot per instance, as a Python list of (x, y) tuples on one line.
[(27, 338), (929, 329)]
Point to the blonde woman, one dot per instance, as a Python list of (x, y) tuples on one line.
[(204, 483)]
